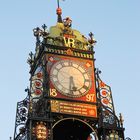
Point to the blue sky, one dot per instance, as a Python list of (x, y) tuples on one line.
[(115, 24)]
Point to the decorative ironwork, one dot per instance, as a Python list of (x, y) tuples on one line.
[(22, 136), (127, 138), (21, 119), (105, 95), (121, 120), (67, 22), (37, 82), (30, 59), (92, 40), (108, 117), (38, 33)]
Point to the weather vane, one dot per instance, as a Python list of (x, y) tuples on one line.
[(59, 12), (58, 3)]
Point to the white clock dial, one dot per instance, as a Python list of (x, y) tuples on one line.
[(70, 78)]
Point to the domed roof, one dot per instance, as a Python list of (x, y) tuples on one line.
[(64, 34)]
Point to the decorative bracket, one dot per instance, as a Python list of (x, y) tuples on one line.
[(21, 118)]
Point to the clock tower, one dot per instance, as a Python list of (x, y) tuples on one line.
[(66, 99)]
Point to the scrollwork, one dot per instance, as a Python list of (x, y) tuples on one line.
[(21, 118)]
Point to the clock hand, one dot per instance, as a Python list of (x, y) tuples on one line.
[(72, 85)]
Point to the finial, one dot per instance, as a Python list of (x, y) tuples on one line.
[(59, 12), (67, 22), (27, 90), (37, 33), (30, 59), (98, 71), (45, 33), (121, 119), (92, 40), (44, 27)]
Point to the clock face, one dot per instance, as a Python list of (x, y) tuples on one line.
[(70, 78)]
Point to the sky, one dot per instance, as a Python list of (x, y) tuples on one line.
[(116, 26)]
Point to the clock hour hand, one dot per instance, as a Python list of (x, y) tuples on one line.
[(72, 85)]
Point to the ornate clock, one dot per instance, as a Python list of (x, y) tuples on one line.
[(70, 78)]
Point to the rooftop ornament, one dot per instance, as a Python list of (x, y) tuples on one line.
[(92, 40), (59, 13), (121, 120), (67, 22)]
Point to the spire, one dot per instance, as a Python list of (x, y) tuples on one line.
[(59, 12)]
